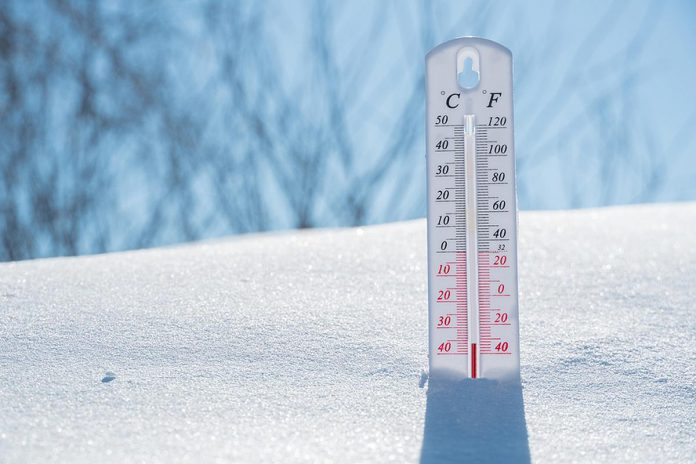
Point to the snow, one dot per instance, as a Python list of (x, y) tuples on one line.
[(311, 347)]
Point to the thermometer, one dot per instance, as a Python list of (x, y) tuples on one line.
[(472, 211)]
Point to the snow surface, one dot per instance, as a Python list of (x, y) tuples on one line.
[(310, 347)]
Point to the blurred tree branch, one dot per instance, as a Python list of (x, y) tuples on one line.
[(130, 124)]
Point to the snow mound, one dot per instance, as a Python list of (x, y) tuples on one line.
[(310, 347)]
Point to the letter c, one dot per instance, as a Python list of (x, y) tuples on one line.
[(449, 103)]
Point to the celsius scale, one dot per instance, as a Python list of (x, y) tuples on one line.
[(472, 211)]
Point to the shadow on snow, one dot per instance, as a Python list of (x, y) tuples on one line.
[(474, 421)]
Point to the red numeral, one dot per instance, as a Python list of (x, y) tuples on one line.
[(444, 347), (500, 261), (501, 317), (444, 321), (443, 269), (443, 295), (501, 288), (503, 347)]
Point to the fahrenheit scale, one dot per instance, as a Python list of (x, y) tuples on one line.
[(472, 211)]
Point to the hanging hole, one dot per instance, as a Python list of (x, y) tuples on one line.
[(468, 75), (468, 78)]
